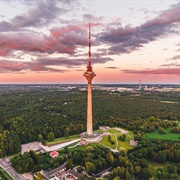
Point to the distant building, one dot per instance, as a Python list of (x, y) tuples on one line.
[(74, 174), (83, 143), (140, 88), (54, 154), (55, 173)]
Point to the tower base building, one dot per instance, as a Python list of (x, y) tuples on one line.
[(94, 137)]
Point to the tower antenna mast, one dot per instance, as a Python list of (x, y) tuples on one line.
[(89, 68)]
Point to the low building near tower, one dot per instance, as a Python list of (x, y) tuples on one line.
[(54, 154)]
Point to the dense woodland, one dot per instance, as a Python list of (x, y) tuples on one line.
[(27, 116)]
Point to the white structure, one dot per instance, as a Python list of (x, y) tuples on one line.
[(89, 74)]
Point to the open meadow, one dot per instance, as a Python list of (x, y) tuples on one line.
[(166, 135)]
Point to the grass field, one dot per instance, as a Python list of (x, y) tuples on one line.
[(107, 143), (79, 148), (63, 139), (112, 131), (167, 135), (124, 144), (131, 133)]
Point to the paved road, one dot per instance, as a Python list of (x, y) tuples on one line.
[(5, 164), (113, 150), (121, 130), (59, 146)]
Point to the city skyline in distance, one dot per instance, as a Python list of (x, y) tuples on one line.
[(46, 42)]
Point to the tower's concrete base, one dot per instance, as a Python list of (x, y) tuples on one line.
[(94, 137)]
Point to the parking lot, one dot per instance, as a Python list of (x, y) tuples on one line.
[(31, 146)]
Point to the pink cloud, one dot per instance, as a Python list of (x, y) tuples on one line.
[(61, 31), (44, 64), (168, 71), (33, 42), (61, 40)]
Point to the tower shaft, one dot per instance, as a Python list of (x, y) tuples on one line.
[(89, 110)]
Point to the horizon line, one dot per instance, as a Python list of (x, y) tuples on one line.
[(85, 83)]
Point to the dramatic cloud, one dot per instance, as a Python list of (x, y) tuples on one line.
[(41, 13), (70, 35), (53, 36), (12, 66), (45, 64), (168, 71), (127, 39), (33, 42), (6, 26), (64, 40)]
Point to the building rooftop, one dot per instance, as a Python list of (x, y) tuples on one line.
[(49, 174)]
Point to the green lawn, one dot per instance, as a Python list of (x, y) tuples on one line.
[(167, 135), (112, 131), (124, 144), (107, 143), (63, 139), (79, 148), (130, 133)]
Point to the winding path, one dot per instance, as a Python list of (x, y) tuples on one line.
[(115, 135)]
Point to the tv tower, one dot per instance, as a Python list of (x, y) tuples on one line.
[(89, 136), (139, 84), (89, 74)]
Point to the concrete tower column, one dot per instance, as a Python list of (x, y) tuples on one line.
[(89, 110)]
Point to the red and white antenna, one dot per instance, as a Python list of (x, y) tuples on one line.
[(89, 53), (140, 84)]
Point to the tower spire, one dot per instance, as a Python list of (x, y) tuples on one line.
[(89, 68)]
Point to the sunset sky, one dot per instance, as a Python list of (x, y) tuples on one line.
[(46, 41)]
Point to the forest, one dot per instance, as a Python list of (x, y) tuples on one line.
[(27, 116)]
